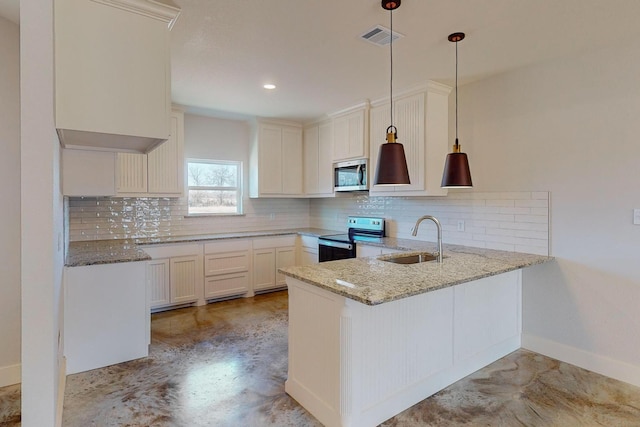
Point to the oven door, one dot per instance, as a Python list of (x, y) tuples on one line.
[(328, 250)]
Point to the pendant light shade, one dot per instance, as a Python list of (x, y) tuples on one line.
[(392, 163), (456, 172)]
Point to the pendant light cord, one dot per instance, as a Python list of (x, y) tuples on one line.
[(391, 62), (456, 94)]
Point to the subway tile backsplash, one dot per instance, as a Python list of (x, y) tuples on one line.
[(100, 218), (512, 221)]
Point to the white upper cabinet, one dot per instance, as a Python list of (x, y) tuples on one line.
[(88, 173), (112, 73), (275, 163), (351, 133), (165, 163), (159, 173), (318, 169), (422, 120)]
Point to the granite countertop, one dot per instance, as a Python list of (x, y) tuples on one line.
[(104, 252), (315, 232), (373, 281), (130, 250)]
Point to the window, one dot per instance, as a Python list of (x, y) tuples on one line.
[(214, 187)]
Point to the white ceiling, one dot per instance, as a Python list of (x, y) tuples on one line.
[(223, 51)]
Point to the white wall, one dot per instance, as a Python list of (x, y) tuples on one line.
[(42, 220), (10, 208), (571, 127)]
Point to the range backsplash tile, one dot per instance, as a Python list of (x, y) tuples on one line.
[(511, 221)]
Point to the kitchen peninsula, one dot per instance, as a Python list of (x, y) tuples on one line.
[(369, 338)]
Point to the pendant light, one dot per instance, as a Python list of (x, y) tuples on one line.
[(456, 168), (392, 163)]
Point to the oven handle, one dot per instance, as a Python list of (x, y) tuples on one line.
[(339, 245)]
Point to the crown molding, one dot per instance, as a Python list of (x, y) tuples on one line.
[(149, 8)]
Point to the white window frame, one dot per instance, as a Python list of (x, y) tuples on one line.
[(238, 188)]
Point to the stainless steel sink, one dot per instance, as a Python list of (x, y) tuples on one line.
[(410, 259)]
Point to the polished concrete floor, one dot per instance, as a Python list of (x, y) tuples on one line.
[(225, 364)]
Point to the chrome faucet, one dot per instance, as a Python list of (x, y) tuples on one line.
[(414, 231)]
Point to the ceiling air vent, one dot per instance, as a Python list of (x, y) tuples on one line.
[(380, 35)]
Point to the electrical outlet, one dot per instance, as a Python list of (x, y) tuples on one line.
[(272, 216), (636, 216), (460, 225)]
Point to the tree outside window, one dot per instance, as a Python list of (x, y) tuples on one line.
[(214, 187)]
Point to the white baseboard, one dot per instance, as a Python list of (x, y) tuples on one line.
[(603, 365), (10, 375), (62, 385)]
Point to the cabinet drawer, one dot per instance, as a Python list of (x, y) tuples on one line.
[(231, 245), (275, 242), (226, 285), (226, 263)]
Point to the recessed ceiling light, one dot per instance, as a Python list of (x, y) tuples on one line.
[(269, 86)]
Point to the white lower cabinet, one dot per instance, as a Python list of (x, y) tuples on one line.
[(197, 273), (308, 250), (184, 278), (227, 268), (264, 272), (159, 280), (269, 254), (175, 275), (285, 257), (106, 315)]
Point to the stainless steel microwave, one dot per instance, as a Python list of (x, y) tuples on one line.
[(351, 175)]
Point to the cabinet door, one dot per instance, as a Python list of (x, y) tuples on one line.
[(410, 120), (325, 161), (311, 160), (356, 138), (184, 278), (270, 159), (285, 257), (226, 285), (131, 173), (165, 162), (378, 123), (88, 173), (112, 69), (159, 282), (291, 161), (422, 122), (340, 138), (264, 272), (349, 136)]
